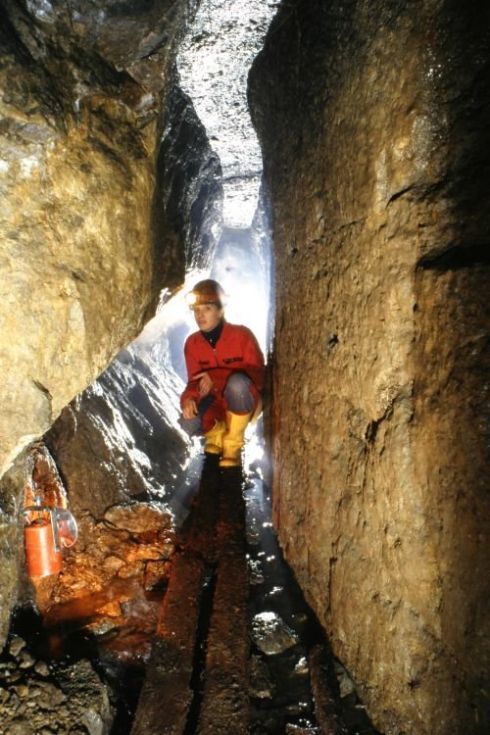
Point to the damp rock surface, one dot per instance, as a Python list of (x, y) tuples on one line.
[(106, 238), (117, 440), (271, 634), (81, 265), (213, 63), (138, 518), (373, 118), (189, 192)]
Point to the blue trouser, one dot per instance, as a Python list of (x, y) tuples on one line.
[(237, 395)]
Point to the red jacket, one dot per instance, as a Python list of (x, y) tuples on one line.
[(236, 350)]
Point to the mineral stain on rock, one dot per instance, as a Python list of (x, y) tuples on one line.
[(376, 151)]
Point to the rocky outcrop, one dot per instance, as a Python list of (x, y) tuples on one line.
[(120, 188), (119, 439), (116, 441), (189, 195), (374, 120), (83, 90)]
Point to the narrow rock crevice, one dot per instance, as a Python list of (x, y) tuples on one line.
[(456, 257)]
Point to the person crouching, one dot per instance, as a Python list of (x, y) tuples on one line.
[(225, 369)]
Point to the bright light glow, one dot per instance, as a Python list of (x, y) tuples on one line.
[(213, 64), (191, 299), (171, 312)]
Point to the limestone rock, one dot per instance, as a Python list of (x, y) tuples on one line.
[(374, 123), (117, 439), (81, 264), (138, 517), (128, 417), (42, 668), (16, 645), (271, 634)]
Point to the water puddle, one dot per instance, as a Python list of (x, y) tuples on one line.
[(284, 632)]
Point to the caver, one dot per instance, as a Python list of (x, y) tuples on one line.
[(225, 369)]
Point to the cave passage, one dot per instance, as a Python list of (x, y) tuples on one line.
[(129, 170), (214, 631), (236, 648)]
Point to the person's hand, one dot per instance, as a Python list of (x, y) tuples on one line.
[(205, 384), (189, 409)]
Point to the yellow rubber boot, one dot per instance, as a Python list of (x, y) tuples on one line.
[(236, 423), (214, 438)]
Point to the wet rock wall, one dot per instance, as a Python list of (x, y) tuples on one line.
[(83, 89), (12, 571), (103, 221), (117, 440), (374, 122), (189, 194)]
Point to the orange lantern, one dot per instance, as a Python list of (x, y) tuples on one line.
[(41, 538)]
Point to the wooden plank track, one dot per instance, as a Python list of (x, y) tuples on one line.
[(177, 699), (225, 704), (166, 695)]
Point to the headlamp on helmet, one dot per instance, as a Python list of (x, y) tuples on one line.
[(191, 299), (207, 292)]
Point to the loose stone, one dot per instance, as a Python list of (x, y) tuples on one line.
[(346, 684), (41, 668), (271, 634), (22, 690), (301, 667), (26, 661), (16, 645)]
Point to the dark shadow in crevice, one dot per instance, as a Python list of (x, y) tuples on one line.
[(456, 257)]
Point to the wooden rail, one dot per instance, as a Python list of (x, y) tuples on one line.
[(197, 676)]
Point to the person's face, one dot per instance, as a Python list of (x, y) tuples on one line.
[(207, 316)]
